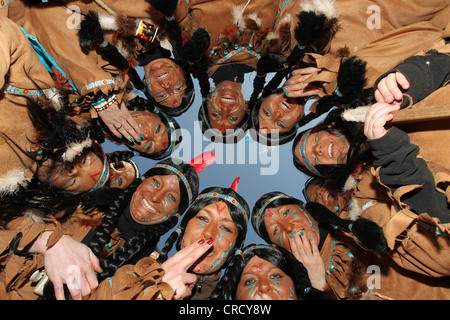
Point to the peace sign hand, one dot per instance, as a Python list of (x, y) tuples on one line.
[(176, 267)]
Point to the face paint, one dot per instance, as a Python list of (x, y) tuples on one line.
[(261, 280), (156, 200), (212, 222), (284, 220), (258, 267), (220, 210)]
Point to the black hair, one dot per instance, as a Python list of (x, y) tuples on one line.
[(181, 56), (187, 170), (258, 224), (276, 255), (230, 136), (272, 139), (366, 231), (238, 218), (141, 238), (357, 153), (186, 101)]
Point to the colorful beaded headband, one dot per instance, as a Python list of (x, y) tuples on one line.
[(230, 199), (259, 246), (173, 136), (307, 183), (263, 208), (105, 175), (302, 153), (180, 175)]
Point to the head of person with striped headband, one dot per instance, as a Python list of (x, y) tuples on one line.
[(218, 215), (278, 217), (331, 149), (265, 272), (161, 133), (168, 188)]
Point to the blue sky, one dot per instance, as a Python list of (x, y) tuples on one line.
[(260, 170)]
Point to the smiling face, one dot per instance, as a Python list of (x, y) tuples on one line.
[(324, 147), (165, 82), (226, 106), (121, 174), (80, 175), (156, 199), (261, 280), (323, 195), (282, 220), (156, 137), (214, 223), (279, 113)]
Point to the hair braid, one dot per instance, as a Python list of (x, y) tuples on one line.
[(121, 155), (129, 250), (109, 222), (168, 245)]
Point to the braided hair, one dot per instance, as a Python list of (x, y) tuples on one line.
[(180, 57), (369, 234), (146, 235), (276, 255)]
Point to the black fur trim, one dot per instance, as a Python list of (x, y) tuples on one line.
[(90, 31), (366, 231), (167, 7)]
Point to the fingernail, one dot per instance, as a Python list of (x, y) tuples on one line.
[(284, 89), (210, 241), (142, 135), (287, 93), (289, 83), (294, 231), (302, 233), (311, 239), (201, 241), (139, 140), (131, 139), (120, 136), (291, 236), (293, 73)]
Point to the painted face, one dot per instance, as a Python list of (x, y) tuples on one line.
[(322, 195), (324, 147), (165, 82), (279, 113), (261, 280), (282, 220), (156, 199), (156, 137), (213, 222), (121, 174), (226, 107), (80, 175)]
